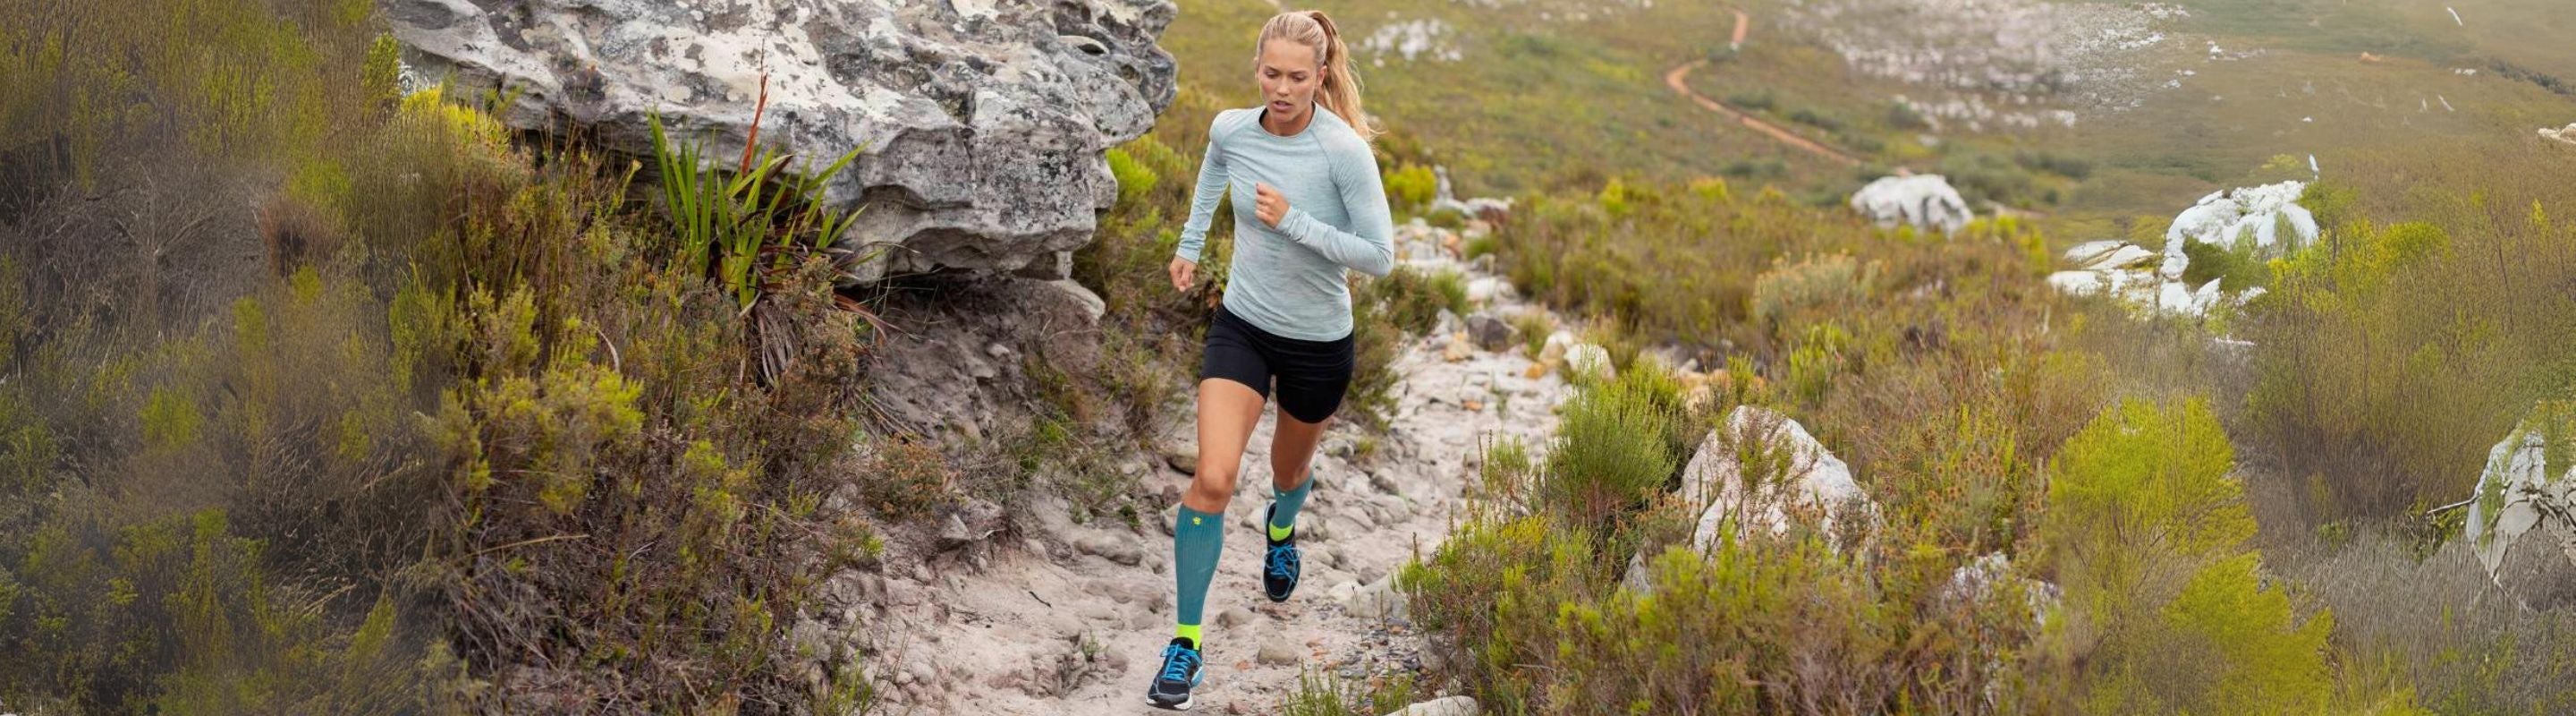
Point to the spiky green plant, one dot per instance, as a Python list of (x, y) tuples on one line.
[(761, 209)]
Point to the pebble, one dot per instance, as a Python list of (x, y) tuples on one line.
[(1183, 457), (1111, 548), (1280, 653)]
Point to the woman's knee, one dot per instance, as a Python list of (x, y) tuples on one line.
[(1211, 488)]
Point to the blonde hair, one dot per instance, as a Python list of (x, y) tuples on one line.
[(1341, 90)]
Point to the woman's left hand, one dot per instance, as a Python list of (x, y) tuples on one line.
[(1269, 204)]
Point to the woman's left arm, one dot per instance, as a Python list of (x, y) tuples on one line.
[(1372, 249)]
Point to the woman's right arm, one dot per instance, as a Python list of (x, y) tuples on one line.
[(1204, 199)]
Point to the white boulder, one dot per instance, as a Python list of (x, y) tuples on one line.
[(1925, 201), (2566, 134), (1489, 289), (2520, 491), (1447, 706), (2254, 213), (1801, 477), (2251, 215)]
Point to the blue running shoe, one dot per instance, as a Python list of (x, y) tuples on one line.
[(1280, 567), (1171, 689)]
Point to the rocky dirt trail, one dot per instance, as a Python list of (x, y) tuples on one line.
[(1071, 618)]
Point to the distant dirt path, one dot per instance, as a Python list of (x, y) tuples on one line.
[(1678, 79)]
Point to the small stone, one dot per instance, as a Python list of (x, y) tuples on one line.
[(1280, 653), (1183, 457), (1448, 706), (973, 521), (1384, 481), (1235, 617), (1110, 548), (1491, 333), (1377, 600), (1458, 348)]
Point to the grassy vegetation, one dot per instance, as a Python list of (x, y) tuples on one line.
[(1984, 414), (1535, 105), (2394, 352), (2385, 361), (448, 423)]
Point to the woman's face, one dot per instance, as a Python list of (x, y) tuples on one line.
[(1289, 76)]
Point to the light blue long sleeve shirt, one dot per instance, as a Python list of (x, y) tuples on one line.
[(1291, 280)]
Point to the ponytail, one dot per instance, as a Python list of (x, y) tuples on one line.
[(1341, 90)]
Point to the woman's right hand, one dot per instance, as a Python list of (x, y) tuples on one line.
[(1183, 271)]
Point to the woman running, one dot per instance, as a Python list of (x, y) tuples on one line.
[(1307, 206)]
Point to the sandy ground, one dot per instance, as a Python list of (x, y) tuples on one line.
[(1071, 619)]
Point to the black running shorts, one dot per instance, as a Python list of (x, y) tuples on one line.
[(1312, 375)]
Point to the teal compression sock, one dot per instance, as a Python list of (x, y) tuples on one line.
[(1283, 516), (1197, 539)]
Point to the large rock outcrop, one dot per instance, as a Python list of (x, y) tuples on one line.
[(2254, 214), (1925, 201), (2265, 220), (984, 121)]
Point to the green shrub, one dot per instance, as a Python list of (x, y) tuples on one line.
[(2235, 269), (177, 614), (256, 490), (1814, 282), (1617, 446), (1411, 187), (2070, 167), (1378, 337), (755, 221), (1903, 117), (1813, 118), (1534, 327), (1134, 178), (1414, 299), (1323, 694), (2169, 612)]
